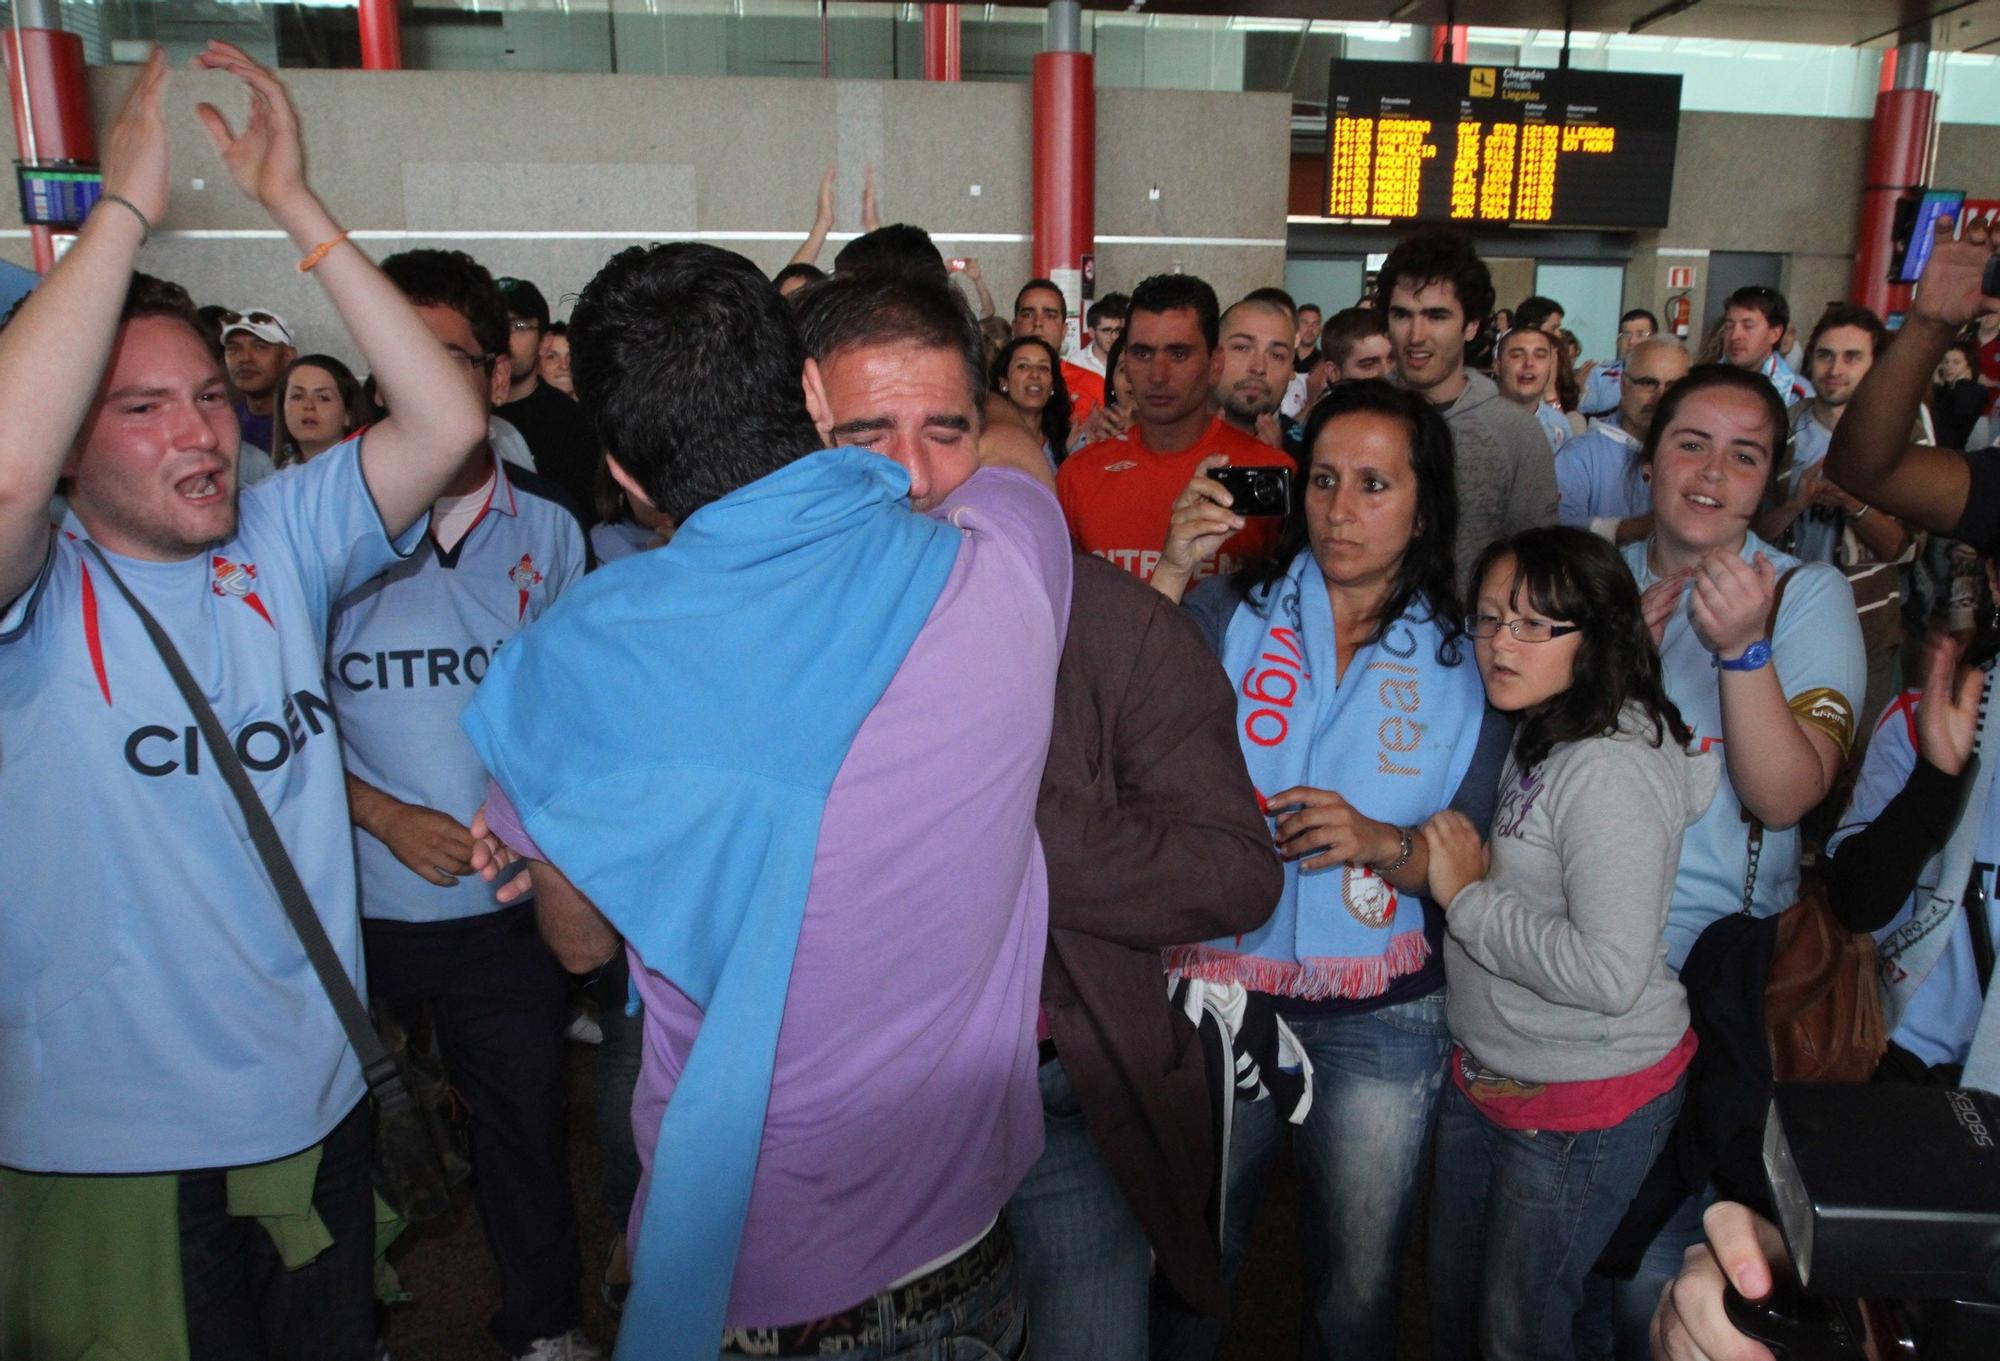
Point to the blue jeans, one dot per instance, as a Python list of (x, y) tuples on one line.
[(1085, 1261), (1634, 1301), (1517, 1219), (1361, 1155)]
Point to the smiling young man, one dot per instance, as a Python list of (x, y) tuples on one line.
[(1118, 494), (1435, 290), (163, 1023), (1811, 517)]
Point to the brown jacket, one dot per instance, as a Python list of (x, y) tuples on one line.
[(1153, 838)]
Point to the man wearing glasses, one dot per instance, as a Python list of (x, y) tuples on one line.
[(1598, 471), (564, 449), (407, 652)]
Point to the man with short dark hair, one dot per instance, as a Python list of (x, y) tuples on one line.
[(1539, 313), (1355, 344), (793, 868), (1105, 319), (258, 346), (1600, 381), (1754, 319), (558, 438), (184, 1144), (1603, 488), (407, 652), (1040, 310), (1307, 340), (1436, 292), (1257, 338), (1815, 520), (1147, 822), (1118, 494)]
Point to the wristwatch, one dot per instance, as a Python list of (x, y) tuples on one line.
[(1406, 845), (1755, 657)]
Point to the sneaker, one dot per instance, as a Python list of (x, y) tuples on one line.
[(569, 1346), (584, 1029)]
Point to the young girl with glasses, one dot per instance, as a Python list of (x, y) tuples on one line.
[(1571, 1033)]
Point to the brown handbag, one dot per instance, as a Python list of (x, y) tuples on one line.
[(1822, 1001)]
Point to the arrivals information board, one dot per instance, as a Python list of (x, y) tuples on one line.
[(1432, 142)]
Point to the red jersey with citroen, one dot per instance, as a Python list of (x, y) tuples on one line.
[(1118, 496)]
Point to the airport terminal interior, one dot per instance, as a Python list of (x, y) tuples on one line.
[(1590, 216)]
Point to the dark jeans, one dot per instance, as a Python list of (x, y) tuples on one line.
[(1085, 1261), (498, 1002), (617, 1074), (1517, 1219), (243, 1305)]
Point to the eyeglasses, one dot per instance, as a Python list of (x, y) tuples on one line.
[(1524, 630), (520, 324)]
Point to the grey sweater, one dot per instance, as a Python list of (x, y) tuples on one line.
[(1505, 470), (1555, 963)]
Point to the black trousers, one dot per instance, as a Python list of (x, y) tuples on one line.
[(243, 1305), (498, 1001)]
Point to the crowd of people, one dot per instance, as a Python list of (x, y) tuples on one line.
[(1000, 788)]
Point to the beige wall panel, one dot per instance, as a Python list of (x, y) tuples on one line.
[(1802, 201), (1220, 161), (1968, 158), (1231, 270)]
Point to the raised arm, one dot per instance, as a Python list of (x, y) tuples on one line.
[(52, 355), (1871, 455), (815, 242), (436, 420)]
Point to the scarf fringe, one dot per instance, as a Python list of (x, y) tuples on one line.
[(1316, 980)]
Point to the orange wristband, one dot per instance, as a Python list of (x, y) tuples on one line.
[(319, 253)]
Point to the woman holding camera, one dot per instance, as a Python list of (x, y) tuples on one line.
[(1358, 720)]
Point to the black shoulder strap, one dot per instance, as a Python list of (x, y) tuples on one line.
[(377, 1067)]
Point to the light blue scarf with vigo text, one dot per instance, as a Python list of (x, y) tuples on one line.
[(668, 733), (1394, 738)]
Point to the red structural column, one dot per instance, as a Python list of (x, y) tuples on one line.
[(943, 57), (1899, 161), (381, 36), (51, 108), (1449, 41), (1065, 166)]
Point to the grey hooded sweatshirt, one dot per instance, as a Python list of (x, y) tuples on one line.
[(1556, 962), (1505, 470)]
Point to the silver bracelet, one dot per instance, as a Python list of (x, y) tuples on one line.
[(1406, 846), (145, 226)]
